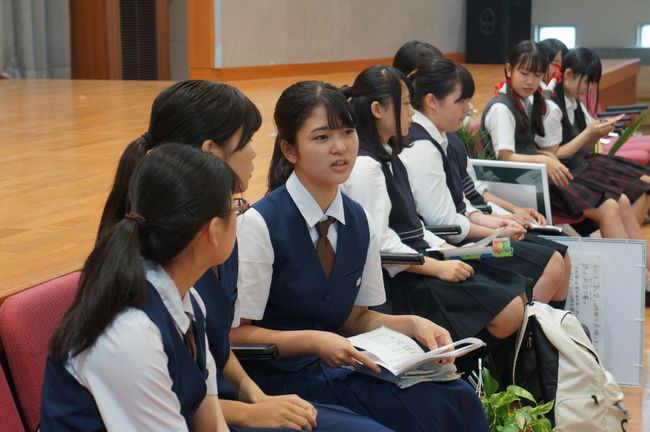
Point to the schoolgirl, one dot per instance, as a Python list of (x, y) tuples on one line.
[(409, 55), (581, 69), (221, 120), (310, 268), (519, 123), (467, 299), (436, 162), (555, 50), (131, 353)]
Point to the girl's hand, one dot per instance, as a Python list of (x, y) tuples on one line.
[(515, 232), (501, 221), (281, 412), (337, 351), (518, 219), (454, 271), (601, 128), (530, 215), (557, 172), (431, 335)]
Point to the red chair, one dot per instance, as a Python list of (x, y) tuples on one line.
[(27, 321), (9, 419)]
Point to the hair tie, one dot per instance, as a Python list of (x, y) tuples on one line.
[(411, 74), (136, 217), (148, 139), (499, 86)]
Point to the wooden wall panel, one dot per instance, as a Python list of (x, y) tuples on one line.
[(200, 35), (95, 39)]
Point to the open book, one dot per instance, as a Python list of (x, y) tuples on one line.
[(491, 246), (404, 362)]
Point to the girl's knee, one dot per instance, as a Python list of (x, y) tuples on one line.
[(608, 209), (509, 319)]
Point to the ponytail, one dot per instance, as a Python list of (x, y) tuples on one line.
[(116, 203), (280, 168), (115, 262)]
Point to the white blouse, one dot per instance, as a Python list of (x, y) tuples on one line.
[(500, 124), (367, 186), (256, 254), (571, 107), (428, 180), (126, 368)]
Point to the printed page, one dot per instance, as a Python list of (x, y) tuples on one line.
[(391, 347)]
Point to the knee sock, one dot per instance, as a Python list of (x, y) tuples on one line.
[(557, 304)]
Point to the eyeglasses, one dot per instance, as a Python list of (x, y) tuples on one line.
[(239, 206)]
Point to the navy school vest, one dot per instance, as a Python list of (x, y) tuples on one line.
[(301, 296), (403, 217), (450, 163), (67, 405), (219, 294), (459, 156), (524, 139)]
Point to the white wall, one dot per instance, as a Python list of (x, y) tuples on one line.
[(599, 23), (268, 32)]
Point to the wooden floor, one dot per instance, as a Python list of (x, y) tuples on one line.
[(59, 144)]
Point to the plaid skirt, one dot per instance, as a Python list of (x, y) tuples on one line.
[(603, 177)]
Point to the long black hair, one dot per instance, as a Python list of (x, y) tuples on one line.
[(377, 84), (584, 63), (412, 53), (439, 77), (174, 192), (551, 47), (188, 112), (295, 105), (527, 55)]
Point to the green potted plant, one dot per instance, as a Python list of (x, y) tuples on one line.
[(506, 413)]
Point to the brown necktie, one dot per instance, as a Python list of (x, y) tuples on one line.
[(324, 248), (188, 337)]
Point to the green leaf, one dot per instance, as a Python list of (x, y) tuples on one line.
[(503, 399), (543, 425), (520, 392), (628, 132), (490, 385), (542, 409), (508, 428)]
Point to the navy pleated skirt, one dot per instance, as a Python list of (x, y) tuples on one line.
[(426, 407), (530, 256), (463, 308)]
